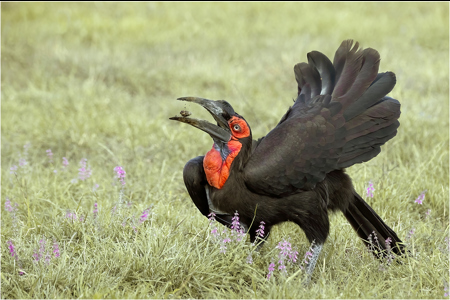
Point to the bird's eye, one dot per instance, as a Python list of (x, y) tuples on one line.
[(236, 127)]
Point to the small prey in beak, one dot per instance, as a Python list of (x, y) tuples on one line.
[(221, 112)]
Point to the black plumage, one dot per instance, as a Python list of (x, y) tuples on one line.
[(341, 117)]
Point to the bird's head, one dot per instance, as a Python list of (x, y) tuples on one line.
[(232, 138)]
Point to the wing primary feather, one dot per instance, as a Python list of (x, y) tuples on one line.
[(325, 68), (352, 66), (340, 57), (306, 74), (369, 69), (371, 96)]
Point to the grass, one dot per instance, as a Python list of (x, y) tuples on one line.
[(99, 81)]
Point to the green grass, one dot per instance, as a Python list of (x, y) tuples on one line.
[(99, 81)]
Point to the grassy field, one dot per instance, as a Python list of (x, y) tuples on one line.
[(96, 83)]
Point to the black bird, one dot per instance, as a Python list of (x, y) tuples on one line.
[(295, 173)]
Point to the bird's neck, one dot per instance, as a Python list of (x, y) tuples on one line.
[(217, 162)]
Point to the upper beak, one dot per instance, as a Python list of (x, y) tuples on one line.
[(219, 132)]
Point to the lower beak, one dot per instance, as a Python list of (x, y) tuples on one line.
[(219, 132)]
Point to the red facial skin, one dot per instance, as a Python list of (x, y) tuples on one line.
[(217, 170)]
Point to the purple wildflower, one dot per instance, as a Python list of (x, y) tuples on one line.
[(120, 174), (96, 186), (36, 256), (65, 163), (47, 258), (95, 211), (144, 215), (286, 256), (212, 220), (22, 162), (71, 215), (370, 190), (212, 217), (271, 269), (260, 230), (308, 256), (286, 252), (13, 169), (250, 258), (223, 246), (281, 266), (410, 234), (390, 255), (84, 172), (9, 207), (12, 249), (235, 225), (236, 228), (214, 232), (39, 253), (56, 249), (50, 155), (421, 198)]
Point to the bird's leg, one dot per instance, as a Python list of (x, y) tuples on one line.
[(313, 255)]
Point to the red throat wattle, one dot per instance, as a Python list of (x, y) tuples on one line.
[(216, 169)]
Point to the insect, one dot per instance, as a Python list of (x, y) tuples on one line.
[(185, 113)]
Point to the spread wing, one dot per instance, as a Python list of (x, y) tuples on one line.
[(341, 117)]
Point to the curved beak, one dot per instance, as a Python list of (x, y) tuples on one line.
[(220, 110)]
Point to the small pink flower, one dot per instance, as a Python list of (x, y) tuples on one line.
[(120, 174), (410, 233), (13, 169), (212, 217), (144, 215), (9, 207), (95, 210), (22, 162), (65, 163), (214, 232), (56, 249), (370, 190), (421, 198), (308, 256), (50, 155), (12, 249), (271, 269), (84, 172), (223, 246), (71, 215), (260, 230)]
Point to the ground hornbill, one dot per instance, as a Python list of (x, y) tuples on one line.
[(296, 172)]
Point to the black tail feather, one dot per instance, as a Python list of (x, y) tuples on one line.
[(366, 222)]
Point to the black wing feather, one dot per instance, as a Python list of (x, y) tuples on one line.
[(341, 117)]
